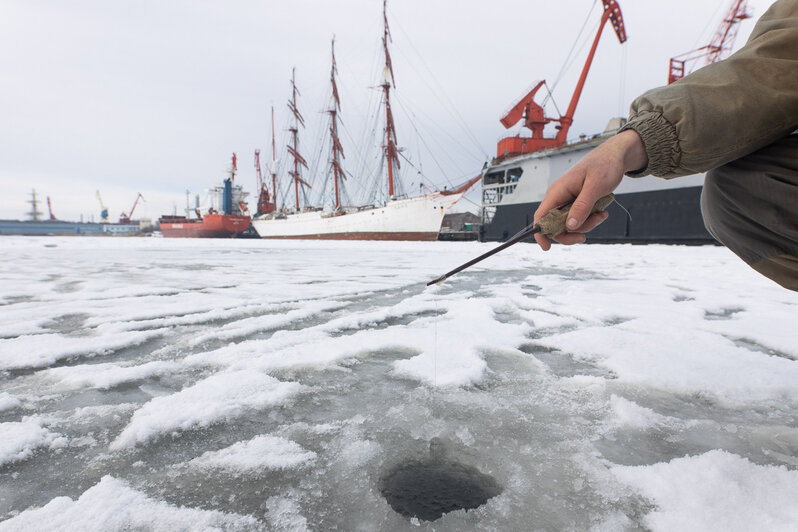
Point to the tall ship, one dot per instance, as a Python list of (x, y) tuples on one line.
[(226, 216), (398, 217), (647, 209)]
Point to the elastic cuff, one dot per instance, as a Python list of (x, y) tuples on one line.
[(660, 142)]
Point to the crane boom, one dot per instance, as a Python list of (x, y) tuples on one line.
[(265, 204), (534, 115), (103, 208), (718, 48), (125, 218), (50, 208)]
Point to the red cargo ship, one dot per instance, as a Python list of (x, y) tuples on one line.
[(210, 226), (226, 217)]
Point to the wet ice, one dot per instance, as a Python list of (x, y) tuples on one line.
[(250, 385)]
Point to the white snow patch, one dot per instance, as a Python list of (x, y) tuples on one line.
[(113, 505), (674, 356), (716, 491), (107, 375), (251, 325), (631, 415), (223, 396), (358, 452), (41, 350), (284, 515), (453, 344), (257, 454), (8, 401), (19, 439)]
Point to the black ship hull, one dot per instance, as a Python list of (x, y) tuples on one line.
[(670, 216)]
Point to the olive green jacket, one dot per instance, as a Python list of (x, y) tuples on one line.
[(727, 109)]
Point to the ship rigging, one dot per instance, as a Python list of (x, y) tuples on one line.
[(399, 217)]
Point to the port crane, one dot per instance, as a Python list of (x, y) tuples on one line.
[(720, 46), (265, 204), (534, 116), (103, 208), (124, 218), (50, 209)]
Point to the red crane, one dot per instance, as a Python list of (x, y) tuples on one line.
[(50, 208), (533, 114), (718, 48), (124, 218), (265, 204)]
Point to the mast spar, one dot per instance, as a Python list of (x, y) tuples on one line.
[(293, 148), (335, 148), (391, 152)]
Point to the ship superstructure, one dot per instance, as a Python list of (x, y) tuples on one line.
[(226, 215), (648, 209)]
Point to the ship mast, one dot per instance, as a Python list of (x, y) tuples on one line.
[(391, 152), (274, 163), (34, 213), (294, 147), (336, 149)]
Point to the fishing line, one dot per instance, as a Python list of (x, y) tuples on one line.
[(628, 214), (435, 351)]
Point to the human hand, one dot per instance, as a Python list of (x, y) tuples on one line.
[(596, 175)]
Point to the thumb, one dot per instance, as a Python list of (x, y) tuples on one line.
[(582, 207)]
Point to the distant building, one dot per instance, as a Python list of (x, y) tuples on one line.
[(459, 226), (457, 221)]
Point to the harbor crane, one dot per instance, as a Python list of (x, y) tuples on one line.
[(720, 46), (103, 208), (265, 204), (50, 209), (533, 115), (124, 218)]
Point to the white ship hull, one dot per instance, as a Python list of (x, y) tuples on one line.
[(417, 218)]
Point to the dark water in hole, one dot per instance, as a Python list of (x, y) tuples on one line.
[(428, 489)]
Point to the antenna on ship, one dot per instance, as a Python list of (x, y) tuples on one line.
[(293, 148), (335, 148), (391, 152)]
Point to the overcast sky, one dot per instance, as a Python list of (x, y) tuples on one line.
[(154, 96)]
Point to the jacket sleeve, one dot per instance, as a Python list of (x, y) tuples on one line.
[(727, 109)]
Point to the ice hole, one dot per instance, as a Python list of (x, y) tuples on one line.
[(430, 488)]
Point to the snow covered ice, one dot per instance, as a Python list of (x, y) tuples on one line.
[(250, 385)]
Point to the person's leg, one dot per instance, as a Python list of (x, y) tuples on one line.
[(751, 206)]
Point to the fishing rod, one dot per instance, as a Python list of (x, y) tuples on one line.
[(550, 225)]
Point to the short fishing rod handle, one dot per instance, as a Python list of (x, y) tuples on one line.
[(553, 223)]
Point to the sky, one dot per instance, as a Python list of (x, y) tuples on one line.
[(130, 97)]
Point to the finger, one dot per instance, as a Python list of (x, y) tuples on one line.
[(593, 221), (583, 204), (557, 195), (543, 241), (570, 239)]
